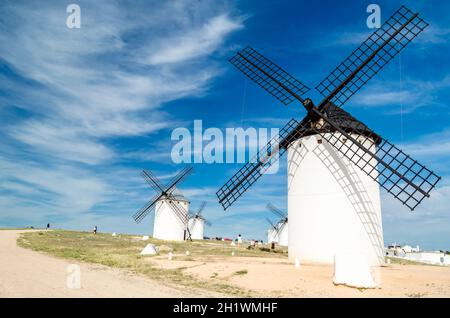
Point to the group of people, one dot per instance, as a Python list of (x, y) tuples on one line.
[(253, 243)]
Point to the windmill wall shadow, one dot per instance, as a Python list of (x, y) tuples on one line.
[(350, 182), (321, 244)]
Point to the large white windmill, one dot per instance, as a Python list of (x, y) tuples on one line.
[(197, 224), (278, 232), (336, 164), (171, 208)]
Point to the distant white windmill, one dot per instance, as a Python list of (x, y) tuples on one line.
[(272, 236), (197, 224), (171, 208), (278, 233)]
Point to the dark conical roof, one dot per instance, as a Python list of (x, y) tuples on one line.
[(345, 121)]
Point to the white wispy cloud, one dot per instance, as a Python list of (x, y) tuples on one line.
[(411, 93), (432, 149), (195, 43), (86, 88), (434, 34)]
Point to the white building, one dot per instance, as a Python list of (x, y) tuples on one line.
[(283, 236), (197, 228), (169, 224), (272, 235), (333, 206)]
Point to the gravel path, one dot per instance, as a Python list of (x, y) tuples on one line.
[(26, 273)]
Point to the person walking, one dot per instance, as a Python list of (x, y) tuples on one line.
[(239, 240), (95, 229), (48, 226)]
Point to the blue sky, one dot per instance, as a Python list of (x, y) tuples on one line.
[(82, 111)]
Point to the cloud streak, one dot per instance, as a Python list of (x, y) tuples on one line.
[(80, 92)]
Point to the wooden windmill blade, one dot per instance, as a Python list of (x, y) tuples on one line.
[(248, 174), (371, 56), (181, 214), (271, 224), (276, 210), (180, 177), (152, 180), (146, 209), (199, 214), (179, 210), (268, 75), (399, 174), (201, 208), (281, 226)]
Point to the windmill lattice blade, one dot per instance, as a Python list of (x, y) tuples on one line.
[(271, 223), (245, 177), (201, 208), (146, 209), (268, 75), (281, 226), (371, 56), (276, 210), (399, 174), (178, 178), (152, 180), (179, 211)]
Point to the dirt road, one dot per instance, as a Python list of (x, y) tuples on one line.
[(25, 273)]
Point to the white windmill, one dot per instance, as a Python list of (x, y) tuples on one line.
[(272, 236), (171, 208), (336, 164), (197, 224), (278, 232)]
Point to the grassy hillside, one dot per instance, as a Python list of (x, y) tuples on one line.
[(123, 251)]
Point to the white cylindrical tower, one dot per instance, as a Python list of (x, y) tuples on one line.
[(271, 235), (283, 234), (168, 225), (197, 228), (333, 206)]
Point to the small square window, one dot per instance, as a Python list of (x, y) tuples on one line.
[(319, 141)]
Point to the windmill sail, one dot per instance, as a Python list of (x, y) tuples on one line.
[(179, 211), (371, 56), (152, 180), (275, 228), (163, 193), (245, 177), (268, 75), (178, 179), (146, 209), (399, 174), (281, 226), (402, 176), (276, 210)]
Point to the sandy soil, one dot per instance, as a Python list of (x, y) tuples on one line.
[(280, 278), (25, 273)]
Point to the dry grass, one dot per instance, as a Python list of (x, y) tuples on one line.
[(396, 260), (123, 251)]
